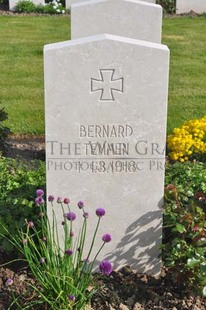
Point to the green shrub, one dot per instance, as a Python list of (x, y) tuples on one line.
[(169, 6), (25, 6), (53, 7), (189, 177), (18, 181), (184, 233), (4, 2), (40, 9)]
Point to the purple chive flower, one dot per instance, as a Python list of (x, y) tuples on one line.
[(42, 260), (50, 198), (105, 267), (66, 201), (39, 192), (30, 224), (71, 216), (80, 204), (44, 239), (71, 297), (39, 200), (100, 212), (59, 200), (69, 252), (9, 281), (106, 238), (86, 215)]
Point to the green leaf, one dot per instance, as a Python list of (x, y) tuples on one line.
[(180, 228), (203, 268), (192, 262)]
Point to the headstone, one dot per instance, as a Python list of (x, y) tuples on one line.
[(106, 105), (77, 1), (69, 2), (13, 3), (128, 18), (185, 6)]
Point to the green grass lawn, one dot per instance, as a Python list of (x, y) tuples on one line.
[(21, 67), (21, 61), (185, 36)]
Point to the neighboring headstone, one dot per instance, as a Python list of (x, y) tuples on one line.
[(128, 18), (185, 6), (13, 3), (106, 106), (77, 1), (68, 4)]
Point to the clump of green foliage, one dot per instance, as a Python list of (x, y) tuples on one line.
[(4, 131), (18, 181), (189, 177), (184, 242), (4, 2), (53, 7), (62, 268), (25, 6), (169, 6)]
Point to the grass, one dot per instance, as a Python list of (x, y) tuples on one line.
[(185, 36), (21, 61)]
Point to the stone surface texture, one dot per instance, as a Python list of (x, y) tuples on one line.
[(122, 84), (68, 4), (185, 6), (128, 18)]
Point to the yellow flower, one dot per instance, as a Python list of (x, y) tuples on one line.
[(187, 140)]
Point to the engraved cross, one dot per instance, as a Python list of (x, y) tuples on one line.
[(107, 85)]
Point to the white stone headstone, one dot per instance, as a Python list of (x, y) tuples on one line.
[(106, 106), (185, 6), (129, 18), (77, 1), (69, 2), (13, 3)]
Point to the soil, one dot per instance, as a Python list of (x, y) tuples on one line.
[(25, 147), (123, 289)]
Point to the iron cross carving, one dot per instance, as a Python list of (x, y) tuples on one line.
[(107, 85)]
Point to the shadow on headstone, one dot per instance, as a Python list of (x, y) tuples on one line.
[(144, 237)]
